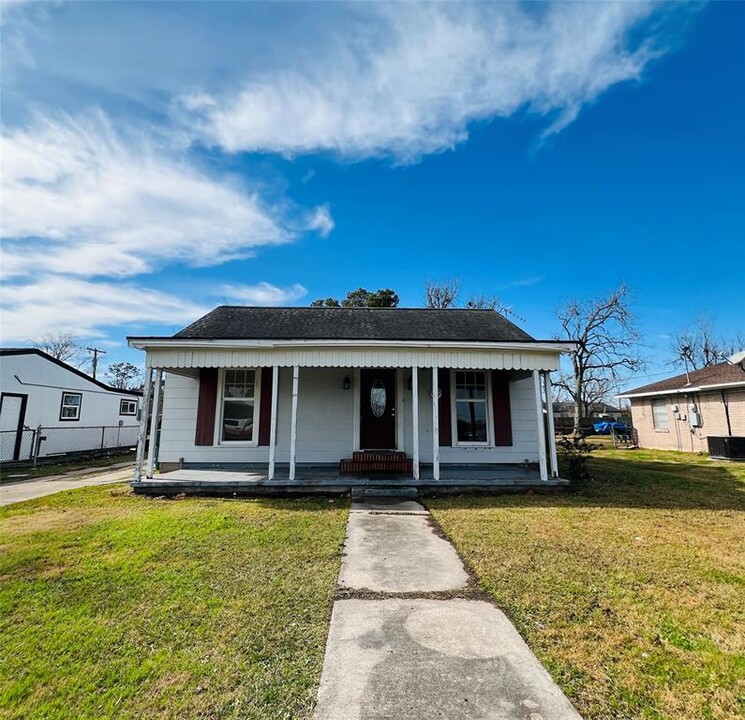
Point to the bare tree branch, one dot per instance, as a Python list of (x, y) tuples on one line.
[(61, 346), (607, 344), (699, 346), (441, 294)]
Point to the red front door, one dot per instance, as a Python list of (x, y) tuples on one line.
[(378, 409)]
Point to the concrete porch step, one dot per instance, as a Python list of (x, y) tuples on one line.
[(373, 491)]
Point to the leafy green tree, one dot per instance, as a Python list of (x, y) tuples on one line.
[(362, 298), (124, 375)]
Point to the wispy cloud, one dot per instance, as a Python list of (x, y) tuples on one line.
[(264, 293), (413, 82), (523, 282), (84, 203), (85, 307), (83, 199)]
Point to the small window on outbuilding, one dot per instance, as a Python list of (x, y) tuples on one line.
[(128, 407), (70, 406), (660, 417)]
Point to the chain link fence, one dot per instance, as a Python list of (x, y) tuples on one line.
[(31, 445)]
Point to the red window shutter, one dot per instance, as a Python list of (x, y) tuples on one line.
[(500, 389), (446, 420), (265, 406), (205, 434)]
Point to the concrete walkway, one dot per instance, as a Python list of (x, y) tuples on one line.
[(29, 489), (392, 653)]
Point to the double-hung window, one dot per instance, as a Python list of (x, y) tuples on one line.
[(70, 406), (238, 408), (471, 407), (660, 418), (128, 407)]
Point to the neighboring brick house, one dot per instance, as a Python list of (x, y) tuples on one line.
[(680, 413)]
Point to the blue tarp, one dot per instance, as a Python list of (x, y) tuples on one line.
[(605, 428)]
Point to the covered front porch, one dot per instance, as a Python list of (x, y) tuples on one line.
[(279, 421)]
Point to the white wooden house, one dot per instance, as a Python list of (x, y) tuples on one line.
[(76, 412), (297, 396)]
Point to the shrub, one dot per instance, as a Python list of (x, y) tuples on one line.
[(575, 451)]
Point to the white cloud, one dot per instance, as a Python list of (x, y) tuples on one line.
[(412, 83), (84, 308), (264, 293), (82, 199), (84, 203)]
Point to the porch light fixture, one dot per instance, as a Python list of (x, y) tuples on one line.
[(347, 383)]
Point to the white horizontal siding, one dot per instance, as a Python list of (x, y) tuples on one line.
[(349, 357), (326, 422)]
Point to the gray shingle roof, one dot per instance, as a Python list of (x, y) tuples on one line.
[(314, 323), (720, 374)]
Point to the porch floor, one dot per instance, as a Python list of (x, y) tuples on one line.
[(327, 480)]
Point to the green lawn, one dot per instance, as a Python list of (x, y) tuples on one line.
[(631, 588), (113, 605)]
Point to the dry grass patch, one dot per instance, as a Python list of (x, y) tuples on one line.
[(631, 588), (114, 605)]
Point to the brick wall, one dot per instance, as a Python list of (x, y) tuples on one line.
[(680, 435)]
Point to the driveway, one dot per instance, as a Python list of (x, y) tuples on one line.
[(412, 639), (29, 489)]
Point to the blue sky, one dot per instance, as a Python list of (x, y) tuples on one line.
[(162, 158)]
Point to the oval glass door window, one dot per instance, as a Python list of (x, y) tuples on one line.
[(377, 398)]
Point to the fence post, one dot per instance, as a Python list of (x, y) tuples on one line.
[(33, 441), (35, 445), (103, 436)]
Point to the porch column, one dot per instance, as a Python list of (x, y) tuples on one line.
[(154, 424), (435, 426), (293, 421), (539, 423), (273, 421), (415, 419), (551, 429), (142, 433)]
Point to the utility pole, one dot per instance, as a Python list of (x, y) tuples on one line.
[(96, 352)]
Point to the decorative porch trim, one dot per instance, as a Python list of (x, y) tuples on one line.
[(526, 357)]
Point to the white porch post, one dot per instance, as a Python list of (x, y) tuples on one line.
[(435, 426), (539, 422), (293, 422), (142, 433), (551, 429), (154, 423), (273, 421), (415, 419)]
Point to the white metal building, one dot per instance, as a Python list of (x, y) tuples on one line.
[(75, 412)]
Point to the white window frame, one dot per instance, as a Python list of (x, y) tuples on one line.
[(254, 441), (127, 400), (64, 405), (667, 415), (454, 412)]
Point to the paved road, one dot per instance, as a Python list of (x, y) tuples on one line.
[(29, 489), (392, 653)]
